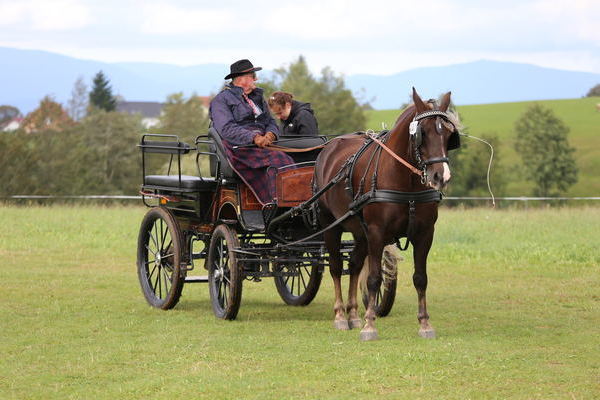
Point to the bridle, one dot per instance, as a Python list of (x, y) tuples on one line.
[(416, 139), (416, 135)]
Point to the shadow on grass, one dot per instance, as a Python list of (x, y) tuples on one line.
[(264, 310)]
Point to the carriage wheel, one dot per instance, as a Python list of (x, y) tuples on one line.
[(224, 273), (159, 258), (387, 291), (300, 281)]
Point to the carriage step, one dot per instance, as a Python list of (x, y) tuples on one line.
[(198, 278)]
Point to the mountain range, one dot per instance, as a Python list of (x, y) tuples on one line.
[(26, 76)]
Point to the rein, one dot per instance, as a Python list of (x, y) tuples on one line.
[(291, 149), (408, 165)]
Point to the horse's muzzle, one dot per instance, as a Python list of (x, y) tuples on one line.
[(438, 175)]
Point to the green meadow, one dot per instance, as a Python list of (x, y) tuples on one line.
[(513, 295), (580, 115)]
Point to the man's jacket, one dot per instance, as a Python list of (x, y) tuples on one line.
[(234, 118)]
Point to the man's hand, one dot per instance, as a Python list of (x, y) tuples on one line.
[(271, 136), (261, 141)]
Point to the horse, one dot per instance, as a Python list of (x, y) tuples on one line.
[(385, 201)]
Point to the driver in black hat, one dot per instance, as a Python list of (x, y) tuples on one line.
[(241, 116)]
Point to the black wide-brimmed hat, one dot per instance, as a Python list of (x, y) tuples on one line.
[(241, 67)]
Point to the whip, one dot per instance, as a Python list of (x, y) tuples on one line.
[(489, 164)]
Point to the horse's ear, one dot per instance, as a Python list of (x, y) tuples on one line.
[(445, 102), (418, 102)]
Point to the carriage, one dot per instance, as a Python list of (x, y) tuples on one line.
[(212, 229), (378, 187)]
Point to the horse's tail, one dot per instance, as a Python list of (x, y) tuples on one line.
[(389, 266)]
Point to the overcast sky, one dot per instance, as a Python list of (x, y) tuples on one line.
[(369, 36)]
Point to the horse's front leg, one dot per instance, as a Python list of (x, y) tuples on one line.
[(420, 252), (375, 250), (356, 264)]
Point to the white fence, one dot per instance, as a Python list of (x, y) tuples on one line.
[(108, 197)]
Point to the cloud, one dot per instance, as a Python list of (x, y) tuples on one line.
[(40, 15), (162, 18)]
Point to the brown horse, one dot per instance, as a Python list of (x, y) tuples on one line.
[(389, 199)]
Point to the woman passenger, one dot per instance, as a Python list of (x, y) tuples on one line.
[(297, 118)]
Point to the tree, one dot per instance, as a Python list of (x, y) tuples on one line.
[(543, 146), (186, 118), (111, 160), (78, 103), (101, 96), (96, 156), (595, 91), (336, 109), (49, 116)]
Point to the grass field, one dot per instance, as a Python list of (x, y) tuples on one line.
[(580, 115), (514, 297)]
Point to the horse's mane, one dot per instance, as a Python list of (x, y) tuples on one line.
[(407, 113)]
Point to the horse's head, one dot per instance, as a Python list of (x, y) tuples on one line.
[(433, 133)]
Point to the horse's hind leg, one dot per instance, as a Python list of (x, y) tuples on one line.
[(420, 252), (357, 261), (333, 239)]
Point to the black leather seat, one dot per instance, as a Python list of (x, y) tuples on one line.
[(302, 142), (189, 183)]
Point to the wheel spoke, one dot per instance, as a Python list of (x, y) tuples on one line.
[(225, 276), (302, 276), (166, 281), (151, 236), (164, 232), (158, 235), (287, 278), (219, 285), (150, 276), (157, 283), (166, 248)]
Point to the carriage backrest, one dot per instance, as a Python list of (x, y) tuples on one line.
[(220, 162)]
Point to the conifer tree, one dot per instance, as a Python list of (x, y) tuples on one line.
[(101, 96)]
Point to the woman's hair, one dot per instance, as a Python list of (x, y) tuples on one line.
[(280, 99)]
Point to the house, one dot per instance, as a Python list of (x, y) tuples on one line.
[(12, 125), (149, 110), (205, 101)]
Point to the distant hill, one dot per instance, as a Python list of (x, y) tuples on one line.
[(28, 75), (478, 82)]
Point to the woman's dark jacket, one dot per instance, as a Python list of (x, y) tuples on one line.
[(301, 121)]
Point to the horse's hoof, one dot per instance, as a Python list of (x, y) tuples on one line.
[(366, 336), (355, 323), (427, 333), (341, 325)]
